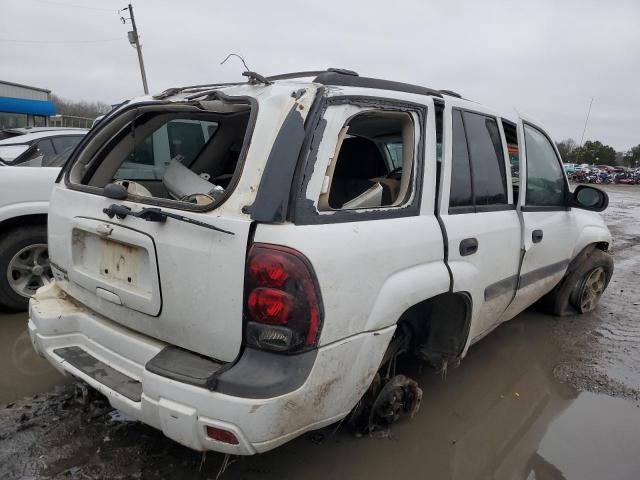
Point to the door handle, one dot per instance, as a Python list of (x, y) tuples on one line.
[(468, 246), (536, 236)]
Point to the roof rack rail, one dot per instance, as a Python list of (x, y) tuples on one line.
[(330, 76), (286, 76), (192, 88), (451, 93), (343, 71), (350, 80), (312, 73)]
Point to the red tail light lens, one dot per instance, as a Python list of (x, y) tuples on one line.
[(269, 305), (221, 435), (283, 307), (268, 270)]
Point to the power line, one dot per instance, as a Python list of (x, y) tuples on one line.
[(11, 40), (62, 4)]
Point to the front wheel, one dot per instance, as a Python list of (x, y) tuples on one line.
[(587, 292), (584, 283), (24, 265)]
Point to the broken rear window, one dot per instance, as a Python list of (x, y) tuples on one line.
[(182, 155)]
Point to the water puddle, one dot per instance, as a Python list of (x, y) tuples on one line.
[(500, 416), (22, 371)]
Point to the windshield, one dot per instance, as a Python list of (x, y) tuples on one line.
[(8, 153), (39, 159)]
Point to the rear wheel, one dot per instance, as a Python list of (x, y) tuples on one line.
[(24, 265), (583, 285)]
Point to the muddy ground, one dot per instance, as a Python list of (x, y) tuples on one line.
[(539, 399)]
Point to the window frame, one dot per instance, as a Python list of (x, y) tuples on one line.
[(523, 192), (305, 211), (498, 207)]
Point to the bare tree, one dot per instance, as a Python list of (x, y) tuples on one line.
[(565, 147), (81, 108)]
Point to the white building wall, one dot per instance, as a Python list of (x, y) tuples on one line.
[(15, 91)]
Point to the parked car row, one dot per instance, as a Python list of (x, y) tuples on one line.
[(603, 174)]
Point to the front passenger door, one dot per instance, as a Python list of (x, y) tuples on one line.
[(548, 225)]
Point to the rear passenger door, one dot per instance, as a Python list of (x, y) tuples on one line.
[(478, 212), (548, 226)]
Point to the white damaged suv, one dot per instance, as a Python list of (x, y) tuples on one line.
[(238, 264)]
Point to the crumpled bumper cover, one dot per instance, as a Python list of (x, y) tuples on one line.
[(338, 377)]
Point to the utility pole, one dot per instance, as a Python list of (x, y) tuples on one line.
[(134, 40)]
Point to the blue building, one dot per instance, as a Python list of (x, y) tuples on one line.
[(24, 106)]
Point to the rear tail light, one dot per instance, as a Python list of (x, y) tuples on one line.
[(270, 305), (282, 301)]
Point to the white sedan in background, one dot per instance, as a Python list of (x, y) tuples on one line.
[(24, 201)]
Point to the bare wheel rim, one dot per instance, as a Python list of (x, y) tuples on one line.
[(29, 269), (592, 289)]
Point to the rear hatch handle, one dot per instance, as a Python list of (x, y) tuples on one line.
[(153, 214)]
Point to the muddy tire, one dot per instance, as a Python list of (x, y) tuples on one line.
[(579, 291), (24, 262)]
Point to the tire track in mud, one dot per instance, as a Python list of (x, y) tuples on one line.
[(603, 347)]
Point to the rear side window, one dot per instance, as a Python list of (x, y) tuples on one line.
[(460, 194), (487, 159), (478, 176), (374, 164)]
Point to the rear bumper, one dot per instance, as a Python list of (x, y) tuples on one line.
[(339, 377)]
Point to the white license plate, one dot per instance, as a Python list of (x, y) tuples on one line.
[(119, 262)]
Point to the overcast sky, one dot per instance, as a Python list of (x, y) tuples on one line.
[(546, 58)]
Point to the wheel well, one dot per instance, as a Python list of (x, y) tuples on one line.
[(604, 246), (439, 326), (22, 221)]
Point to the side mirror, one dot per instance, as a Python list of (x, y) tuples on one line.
[(589, 198)]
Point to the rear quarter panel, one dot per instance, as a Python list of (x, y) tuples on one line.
[(369, 272)]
